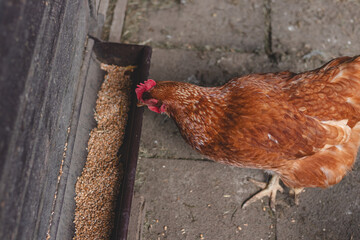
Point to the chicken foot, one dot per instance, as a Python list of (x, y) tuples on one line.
[(296, 192), (269, 190)]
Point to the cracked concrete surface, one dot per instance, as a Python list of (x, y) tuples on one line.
[(181, 195)]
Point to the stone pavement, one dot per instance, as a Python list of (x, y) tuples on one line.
[(181, 195)]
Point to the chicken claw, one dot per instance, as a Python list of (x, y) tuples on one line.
[(269, 190)]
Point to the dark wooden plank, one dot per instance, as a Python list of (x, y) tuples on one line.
[(131, 148), (17, 42), (42, 50)]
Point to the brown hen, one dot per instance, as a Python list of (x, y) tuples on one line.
[(303, 128)]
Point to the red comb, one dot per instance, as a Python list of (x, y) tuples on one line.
[(143, 87)]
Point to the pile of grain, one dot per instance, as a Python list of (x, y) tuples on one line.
[(98, 186)]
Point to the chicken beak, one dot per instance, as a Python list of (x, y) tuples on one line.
[(140, 104)]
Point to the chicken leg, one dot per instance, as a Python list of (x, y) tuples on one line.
[(269, 190)]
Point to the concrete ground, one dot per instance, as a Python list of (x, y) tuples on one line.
[(181, 195)]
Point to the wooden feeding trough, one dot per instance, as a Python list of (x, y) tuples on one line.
[(138, 56)]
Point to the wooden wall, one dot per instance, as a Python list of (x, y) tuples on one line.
[(45, 64)]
